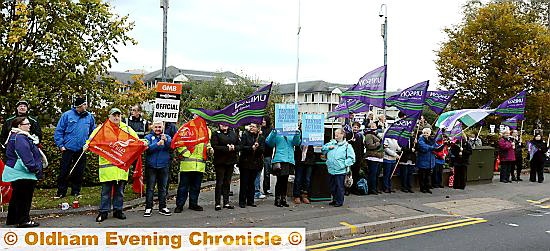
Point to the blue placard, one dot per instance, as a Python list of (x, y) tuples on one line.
[(313, 129), (286, 119)]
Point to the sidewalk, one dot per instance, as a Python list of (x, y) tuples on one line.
[(372, 213)]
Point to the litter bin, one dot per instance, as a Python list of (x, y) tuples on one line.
[(320, 189), (481, 165)]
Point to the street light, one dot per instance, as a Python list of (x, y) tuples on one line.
[(384, 30), (164, 7)]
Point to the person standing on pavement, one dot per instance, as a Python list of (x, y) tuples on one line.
[(22, 110), (356, 139), (507, 155), (226, 145), (392, 151), (157, 168), (374, 154), (425, 159), (537, 156), (111, 177), (461, 152), (283, 160), (268, 153), (340, 157), (250, 163), (136, 121), (24, 163), (407, 164), (518, 164), (440, 155), (71, 132), (304, 157)]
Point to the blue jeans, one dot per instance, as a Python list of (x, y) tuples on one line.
[(158, 176), (68, 160), (406, 172), (257, 191), (373, 175), (337, 188), (190, 185), (388, 170), (302, 180), (118, 195)]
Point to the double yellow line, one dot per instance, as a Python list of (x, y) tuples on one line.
[(395, 235)]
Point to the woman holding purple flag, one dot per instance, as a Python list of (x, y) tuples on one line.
[(537, 150)]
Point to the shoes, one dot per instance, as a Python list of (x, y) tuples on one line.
[(404, 190), (178, 209), (428, 191), (251, 205), (387, 191), (410, 191), (165, 211), (218, 208), (338, 205), (305, 200), (242, 205), (261, 196), (101, 217), (373, 192), (59, 196), (278, 202), (540, 181), (297, 200), (283, 203), (346, 193), (519, 179), (514, 179), (119, 215), (227, 206), (332, 203), (196, 208), (268, 192), (28, 224), (148, 212)]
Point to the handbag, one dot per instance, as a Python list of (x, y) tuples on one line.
[(348, 180)]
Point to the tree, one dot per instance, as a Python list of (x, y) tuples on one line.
[(497, 50), (52, 51)]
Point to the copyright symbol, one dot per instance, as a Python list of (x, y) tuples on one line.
[(295, 238), (10, 238)]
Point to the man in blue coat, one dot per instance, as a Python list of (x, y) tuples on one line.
[(71, 133)]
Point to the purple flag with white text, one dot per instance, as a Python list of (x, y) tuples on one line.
[(347, 107), (370, 89), (402, 130), (438, 100), (411, 100), (513, 107)]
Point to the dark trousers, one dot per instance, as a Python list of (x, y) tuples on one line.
[(267, 174), (424, 178), (386, 178), (518, 165), (158, 176), (68, 160), (190, 185), (505, 167), (20, 203), (223, 182), (112, 193), (537, 170), (302, 180), (461, 172), (337, 188), (373, 175), (355, 169), (246, 189), (406, 172), (281, 186), (437, 175)]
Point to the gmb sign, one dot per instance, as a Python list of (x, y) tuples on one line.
[(167, 102)]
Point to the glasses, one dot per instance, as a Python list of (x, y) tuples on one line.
[(25, 124)]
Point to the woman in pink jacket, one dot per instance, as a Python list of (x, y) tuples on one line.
[(507, 155)]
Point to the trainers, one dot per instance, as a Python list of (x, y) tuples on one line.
[(101, 217), (262, 196), (218, 207), (148, 212), (178, 209), (119, 215), (165, 211)]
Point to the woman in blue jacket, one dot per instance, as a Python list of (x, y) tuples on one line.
[(282, 162), (157, 168), (425, 159), (340, 157), (23, 168)]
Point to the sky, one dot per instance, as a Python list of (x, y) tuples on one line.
[(339, 41)]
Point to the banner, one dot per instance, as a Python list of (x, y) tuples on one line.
[(286, 119), (117, 146), (438, 100), (246, 111), (313, 129), (5, 187), (411, 100), (190, 134), (511, 123), (370, 89), (167, 103), (456, 132), (402, 130), (468, 117), (348, 107), (513, 107)]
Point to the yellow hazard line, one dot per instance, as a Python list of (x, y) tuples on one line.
[(353, 228), (395, 235), (538, 201)]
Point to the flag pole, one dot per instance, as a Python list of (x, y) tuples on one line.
[(521, 132)]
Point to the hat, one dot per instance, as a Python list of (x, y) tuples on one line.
[(114, 110), (22, 102), (78, 102)]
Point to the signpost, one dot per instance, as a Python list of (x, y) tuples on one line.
[(167, 102)]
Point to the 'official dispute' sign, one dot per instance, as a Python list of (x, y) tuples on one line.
[(167, 103)]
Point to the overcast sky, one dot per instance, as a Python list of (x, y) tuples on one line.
[(339, 42)]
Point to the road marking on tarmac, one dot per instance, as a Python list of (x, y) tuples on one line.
[(395, 235), (353, 229), (539, 201)]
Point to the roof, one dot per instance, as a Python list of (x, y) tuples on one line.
[(310, 87), (172, 72)]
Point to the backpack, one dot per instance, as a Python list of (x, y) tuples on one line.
[(362, 187)]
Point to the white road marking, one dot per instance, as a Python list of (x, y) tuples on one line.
[(536, 215), (512, 225), (548, 232)]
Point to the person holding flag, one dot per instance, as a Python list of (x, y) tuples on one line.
[(425, 159), (537, 149), (461, 150), (157, 168), (518, 164), (507, 155), (118, 146)]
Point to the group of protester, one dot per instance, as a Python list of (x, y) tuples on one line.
[(257, 149)]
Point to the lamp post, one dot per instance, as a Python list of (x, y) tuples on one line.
[(164, 7), (297, 56), (384, 32)]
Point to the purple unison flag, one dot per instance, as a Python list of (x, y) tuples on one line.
[(370, 89), (512, 123), (456, 132), (347, 107), (249, 110), (411, 100), (402, 130), (513, 107), (438, 100)]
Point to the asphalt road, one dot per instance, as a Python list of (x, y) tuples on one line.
[(525, 229)]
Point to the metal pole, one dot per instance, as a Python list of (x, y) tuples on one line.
[(164, 6), (297, 56), (384, 13)]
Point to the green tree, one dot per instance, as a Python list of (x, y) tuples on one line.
[(497, 50), (53, 50)]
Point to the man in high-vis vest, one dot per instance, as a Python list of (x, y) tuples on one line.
[(192, 168), (111, 177)]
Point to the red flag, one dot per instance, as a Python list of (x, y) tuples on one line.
[(190, 134), (116, 145), (138, 185), (5, 187)]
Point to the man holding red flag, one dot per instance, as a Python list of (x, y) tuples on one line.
[(118, 146)]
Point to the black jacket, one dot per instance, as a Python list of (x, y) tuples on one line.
[(310, 156), (252, 159), (408, 154), (6, 127), (140, 126), (358, 144), (457, 159), (219, 143), (539, 155), (268, 151)]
